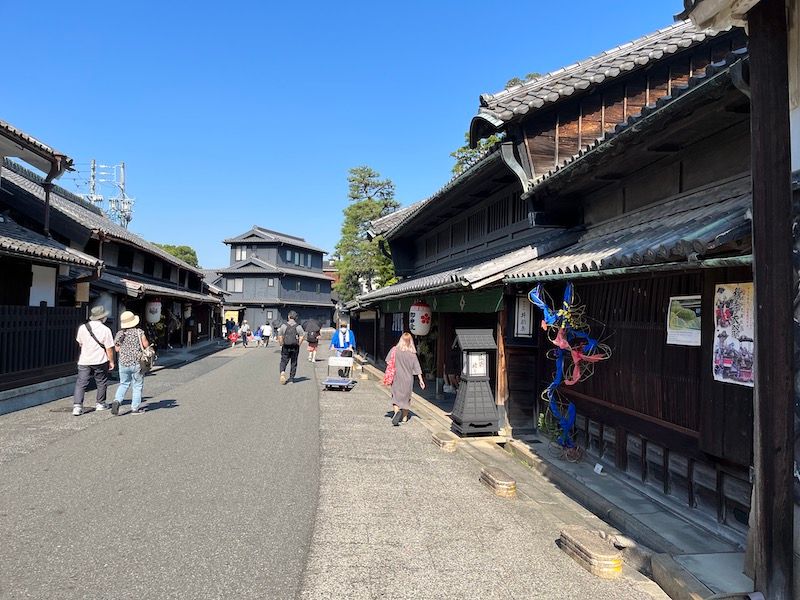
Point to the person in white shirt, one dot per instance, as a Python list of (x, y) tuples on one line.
[(266, 334), (96, 359), (244, 331)]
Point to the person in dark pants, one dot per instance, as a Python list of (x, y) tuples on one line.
[(290, 336), (96, 359)]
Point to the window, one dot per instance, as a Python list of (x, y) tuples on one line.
[(166, 271), (289, 256), (498, 215), (476, 226), (234, 285), (149, 266), (443, 240), (459, 234), (308, 260), (270, 282), (430, 247), (241, 252), (519, 208), (297, 258), (125, 258), (269, 315), (297, 286), (319, 288)]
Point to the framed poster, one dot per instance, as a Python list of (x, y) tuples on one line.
[(734, 333), (683, 321), (523, 317)]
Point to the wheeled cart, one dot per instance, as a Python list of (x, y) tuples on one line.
[(342, 364)]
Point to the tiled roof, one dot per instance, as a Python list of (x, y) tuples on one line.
[(476, 339), (387, 223), (267, 236), (42, 154), (498, 109), (83, 213), (696, 223), (713, 72), (254, 265), (19, 241), (136, 288), (472, 276), (491, 157)]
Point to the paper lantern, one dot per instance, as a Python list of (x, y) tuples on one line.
[(187, 311), (152, 311), (419, 318)]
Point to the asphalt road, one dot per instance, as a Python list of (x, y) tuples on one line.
[(211, 494)]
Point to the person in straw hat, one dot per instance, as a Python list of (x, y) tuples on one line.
[(129, 343), (96, 359)]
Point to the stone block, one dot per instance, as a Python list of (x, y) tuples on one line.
[(590, 551), (499, 482), (446, 441)]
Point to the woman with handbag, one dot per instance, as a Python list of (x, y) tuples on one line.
[(130, 343), (402, 365)]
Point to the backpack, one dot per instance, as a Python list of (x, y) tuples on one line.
[(290, 337), (313, 336)]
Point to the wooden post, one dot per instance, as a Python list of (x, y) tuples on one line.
[(502, 367), (773, 275)]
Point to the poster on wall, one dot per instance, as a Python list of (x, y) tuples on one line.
[(683, 321), (523, 325), (734, 333)]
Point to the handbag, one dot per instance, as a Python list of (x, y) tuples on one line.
[(388, 376), (147, 358)]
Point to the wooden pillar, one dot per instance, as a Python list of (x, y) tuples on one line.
[(441, 351), (773, 275), (501, 394)]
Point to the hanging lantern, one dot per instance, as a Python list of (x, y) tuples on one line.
[(187, 311), (152, 310), (419, 318)]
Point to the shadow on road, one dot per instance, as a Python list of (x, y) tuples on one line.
[(161, 404)]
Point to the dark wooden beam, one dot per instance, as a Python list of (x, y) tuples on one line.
[(773, 275)]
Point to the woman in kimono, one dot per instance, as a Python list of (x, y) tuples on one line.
[(406, 366)]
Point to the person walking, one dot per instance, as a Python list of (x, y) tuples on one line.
[(290, 336), (266, 334), (95, 361), (244, 331), (129, 343), (312, 329), (406, 366)]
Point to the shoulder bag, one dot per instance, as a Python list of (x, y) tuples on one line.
[(148, 356)]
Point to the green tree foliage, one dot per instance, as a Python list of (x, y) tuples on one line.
[(185, 253), (360, 260), (517, 81), (466, 157)]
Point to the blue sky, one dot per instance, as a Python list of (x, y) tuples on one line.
[(241, 113)]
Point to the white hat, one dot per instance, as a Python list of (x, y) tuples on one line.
[(128, 320), (98, 313)]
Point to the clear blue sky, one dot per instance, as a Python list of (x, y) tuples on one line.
[(240, 113)]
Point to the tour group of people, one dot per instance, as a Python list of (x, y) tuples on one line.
[(97, 349)]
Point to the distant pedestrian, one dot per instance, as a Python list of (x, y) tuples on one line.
[(406, 366), (290, 336), (312, 328), (344, 343), (266, 334), (244, 331), (129, 342), (96, 359)]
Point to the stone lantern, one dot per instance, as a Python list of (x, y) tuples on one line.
[(475, 410)]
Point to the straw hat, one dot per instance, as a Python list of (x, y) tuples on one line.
[(128, 320), (98, 313)]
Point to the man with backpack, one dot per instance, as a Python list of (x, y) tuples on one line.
[(290, 336)]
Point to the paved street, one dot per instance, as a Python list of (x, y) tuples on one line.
[(235, 487)]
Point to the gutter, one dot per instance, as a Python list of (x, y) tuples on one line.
[(711, 263), (58, 164)]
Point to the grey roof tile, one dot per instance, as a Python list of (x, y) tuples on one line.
[(497, 109), (268, 236), (78, 210), (20, 241), (699, 222)]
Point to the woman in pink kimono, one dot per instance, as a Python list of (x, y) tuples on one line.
[(406, 365)]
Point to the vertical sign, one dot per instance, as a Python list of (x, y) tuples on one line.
[(734, 333)]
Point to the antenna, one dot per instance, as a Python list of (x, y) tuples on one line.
[(120, 208), (93, 196)]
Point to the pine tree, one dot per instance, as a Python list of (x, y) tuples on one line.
[(360, 260)]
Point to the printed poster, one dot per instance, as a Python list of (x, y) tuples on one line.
[(524, 317), (734, 333), (683, 321)]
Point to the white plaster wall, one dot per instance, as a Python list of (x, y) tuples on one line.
[(794, 80), (43, 285)]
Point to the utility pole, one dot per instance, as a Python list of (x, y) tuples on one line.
[(121, 207)]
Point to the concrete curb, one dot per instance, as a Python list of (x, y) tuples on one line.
[(676, 581)]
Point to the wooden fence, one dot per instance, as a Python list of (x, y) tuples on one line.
[(37, 343)]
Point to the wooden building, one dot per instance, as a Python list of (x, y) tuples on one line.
[(628, 175), (271, 273)]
